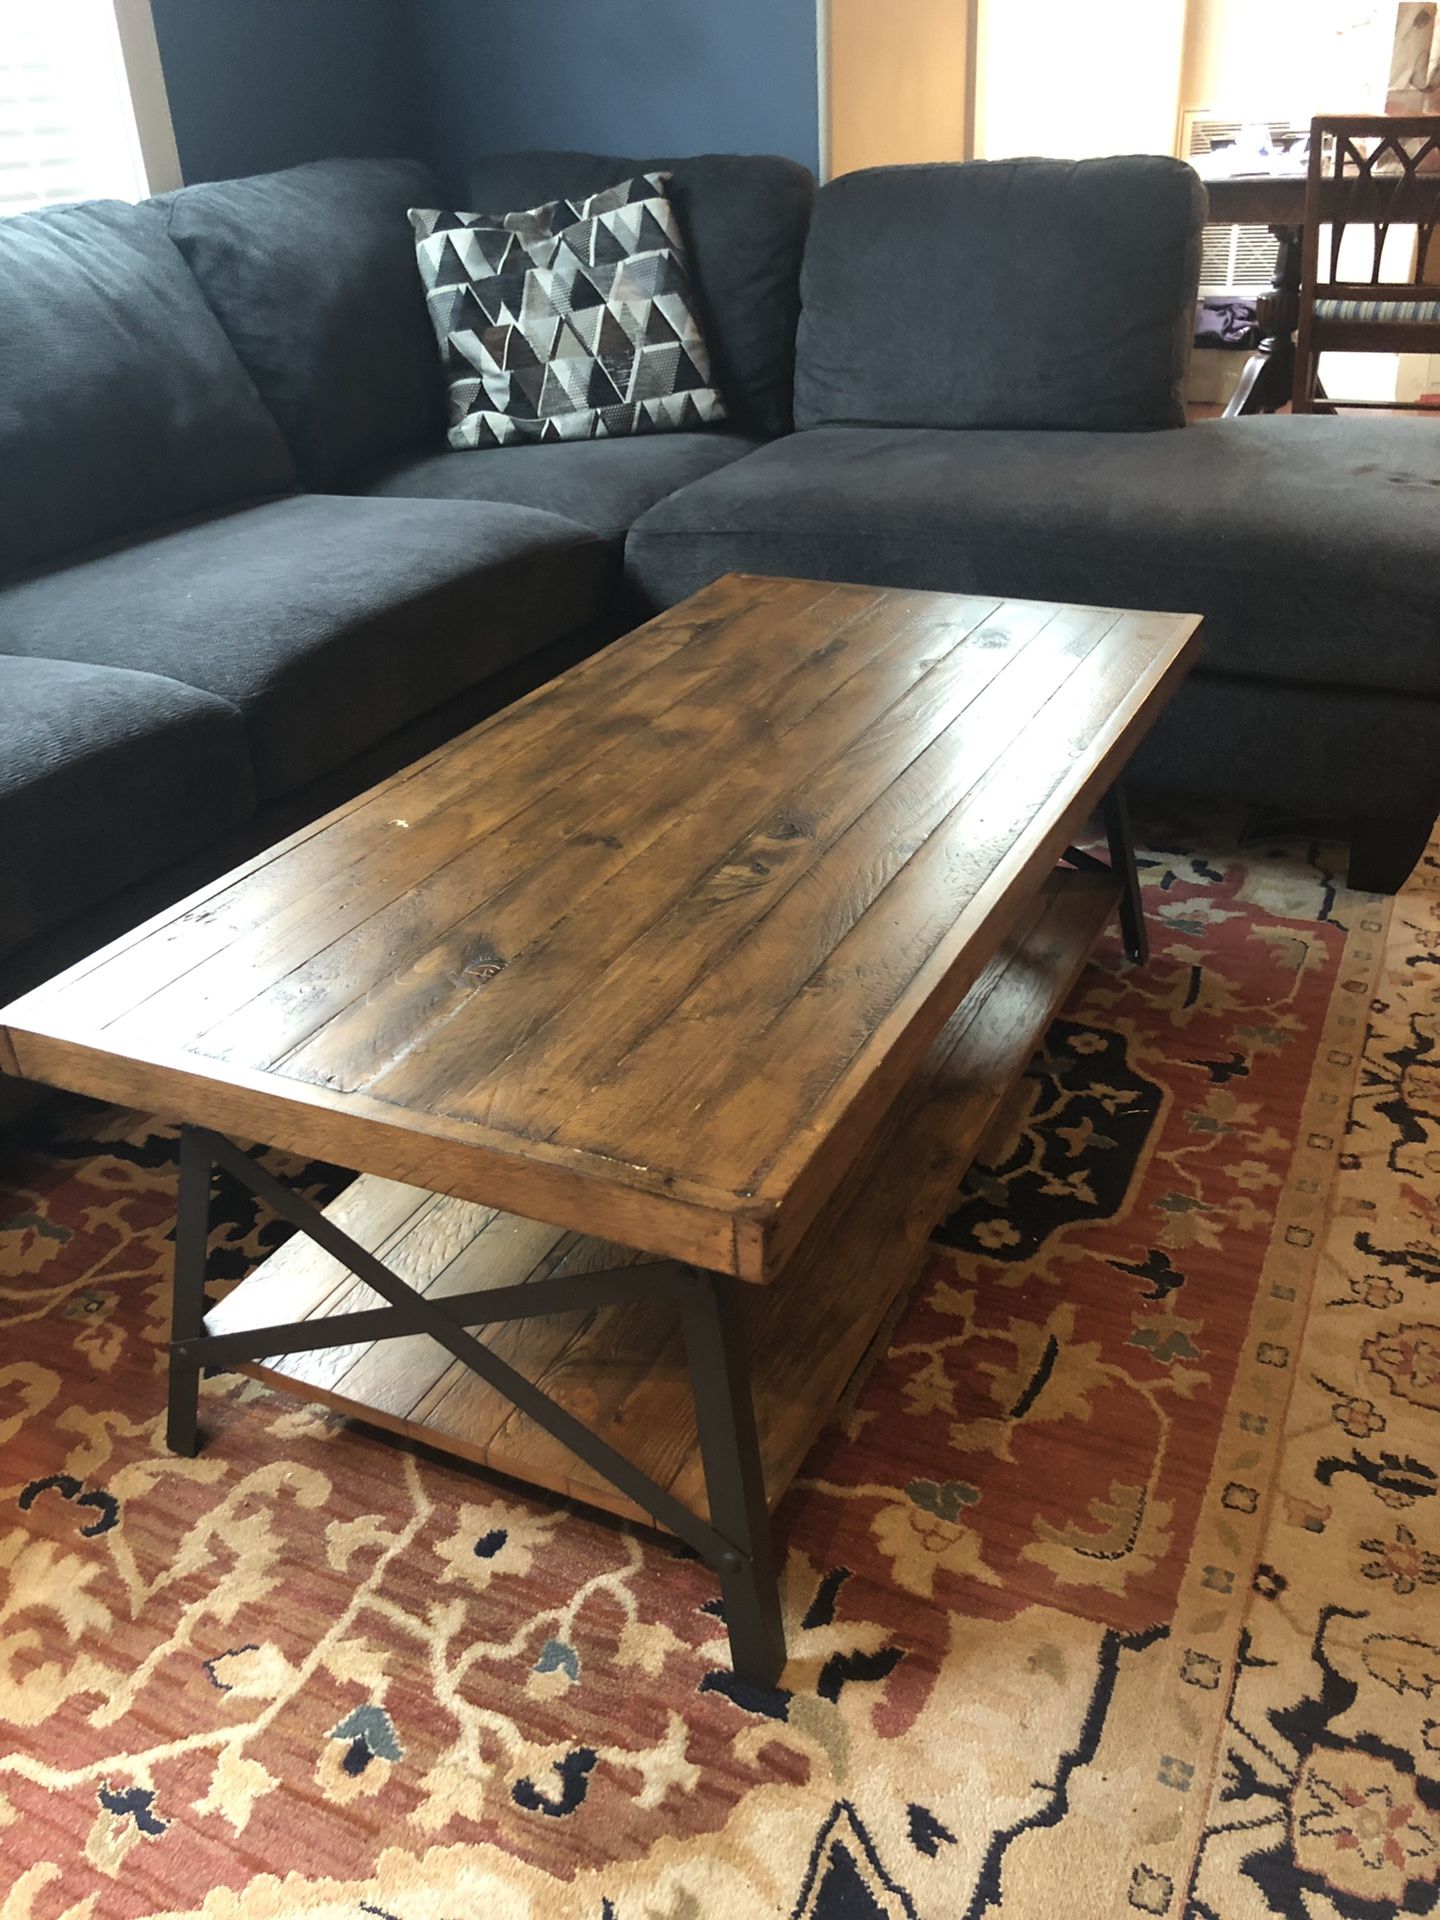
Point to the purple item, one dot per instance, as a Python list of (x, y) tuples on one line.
[(1227, 320)]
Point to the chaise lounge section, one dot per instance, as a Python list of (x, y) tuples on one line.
[(1029, 443), (1305, 542)]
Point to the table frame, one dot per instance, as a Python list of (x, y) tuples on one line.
[(1276, 201), (737, 1540)]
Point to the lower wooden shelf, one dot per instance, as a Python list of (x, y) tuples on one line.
[(622, 1369)]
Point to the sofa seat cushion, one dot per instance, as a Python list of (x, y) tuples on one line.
[(329, 622), (311, 272), (106, 776), (122, 404), (1001, 293), (1307, 542), (603, 484), (743, 217)]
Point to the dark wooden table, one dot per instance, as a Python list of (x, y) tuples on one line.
[(725, 946), (1276, 201)]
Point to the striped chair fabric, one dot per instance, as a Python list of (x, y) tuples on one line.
[(1378, 312)]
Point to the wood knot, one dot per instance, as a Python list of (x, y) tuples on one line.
[(483, 964), (793, 828)]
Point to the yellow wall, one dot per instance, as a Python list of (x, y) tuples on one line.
[(898, 81), (1085, 76)]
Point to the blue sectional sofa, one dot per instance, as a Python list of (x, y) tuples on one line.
[(241, 575)]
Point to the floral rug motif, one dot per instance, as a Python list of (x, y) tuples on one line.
[(1113, 1588)]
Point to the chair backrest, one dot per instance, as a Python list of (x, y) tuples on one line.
[(1376, 171)]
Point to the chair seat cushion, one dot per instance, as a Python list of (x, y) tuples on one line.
[(329, 622), (1307, 542), (1380, 312), (106, 776), (603, 484)]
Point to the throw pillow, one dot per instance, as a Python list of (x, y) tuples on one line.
[(571, 321)]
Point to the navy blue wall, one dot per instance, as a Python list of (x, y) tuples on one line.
[(635, 77), (255, 84)]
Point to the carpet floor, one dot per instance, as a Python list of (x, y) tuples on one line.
[(1113, 1588)]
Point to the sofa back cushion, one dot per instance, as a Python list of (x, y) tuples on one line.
[(311, 272), (121, 402), (1001, 293), (743, 218)]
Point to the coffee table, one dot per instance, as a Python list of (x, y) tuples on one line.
[(661, 1013)]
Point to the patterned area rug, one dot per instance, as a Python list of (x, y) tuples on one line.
[(1115, 1588)]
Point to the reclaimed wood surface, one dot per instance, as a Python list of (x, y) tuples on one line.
[(622, 1370), (650, 954)]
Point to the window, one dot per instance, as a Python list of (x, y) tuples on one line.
[(1067, 79), (82, 104)]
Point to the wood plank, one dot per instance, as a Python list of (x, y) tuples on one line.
[(617, 1344), (528, 1345), (424, 1255), (622, 1368)]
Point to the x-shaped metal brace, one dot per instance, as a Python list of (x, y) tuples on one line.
[(736, 1540)]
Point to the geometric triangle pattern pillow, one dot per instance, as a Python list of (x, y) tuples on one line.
[(572, 321)]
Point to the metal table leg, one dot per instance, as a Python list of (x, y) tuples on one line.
[(192, 1232), (1115, 813), (734, 1475)]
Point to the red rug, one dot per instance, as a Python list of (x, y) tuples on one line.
[(310, 1673)]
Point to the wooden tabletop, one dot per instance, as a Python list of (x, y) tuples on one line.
[(1257, 200), (1278, 199), (649, 954)]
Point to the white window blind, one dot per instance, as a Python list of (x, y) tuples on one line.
[(67, 125)]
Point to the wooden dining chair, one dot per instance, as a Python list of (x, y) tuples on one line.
[(1375, 173)]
